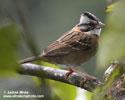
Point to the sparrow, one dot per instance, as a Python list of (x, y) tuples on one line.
[(76, 46)]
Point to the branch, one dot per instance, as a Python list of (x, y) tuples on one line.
[(114, 85), (117, 89), (59, 75)]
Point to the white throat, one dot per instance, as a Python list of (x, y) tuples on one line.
[(95, 31)]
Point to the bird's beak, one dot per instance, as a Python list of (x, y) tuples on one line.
[(100, 25)]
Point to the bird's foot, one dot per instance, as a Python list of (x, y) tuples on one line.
[(87, 78), (70, 71)]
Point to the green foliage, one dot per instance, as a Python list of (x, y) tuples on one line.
[(111, 7), (88, 95), (112, 41), (8, 44), (112, 47), (62, 90)]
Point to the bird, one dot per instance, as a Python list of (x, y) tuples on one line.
[(76, 46)]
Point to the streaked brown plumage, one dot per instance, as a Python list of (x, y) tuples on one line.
[(73, 48)]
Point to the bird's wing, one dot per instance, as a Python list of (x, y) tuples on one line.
[(70, 42)]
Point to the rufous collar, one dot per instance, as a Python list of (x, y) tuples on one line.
[(76, 28)]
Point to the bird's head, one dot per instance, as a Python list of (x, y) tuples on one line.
[(90, 24)]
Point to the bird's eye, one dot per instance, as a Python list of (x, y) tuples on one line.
[(91, 24)]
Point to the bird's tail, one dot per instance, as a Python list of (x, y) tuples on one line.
[(30, 59)]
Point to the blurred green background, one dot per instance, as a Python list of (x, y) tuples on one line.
[(34, 24)]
